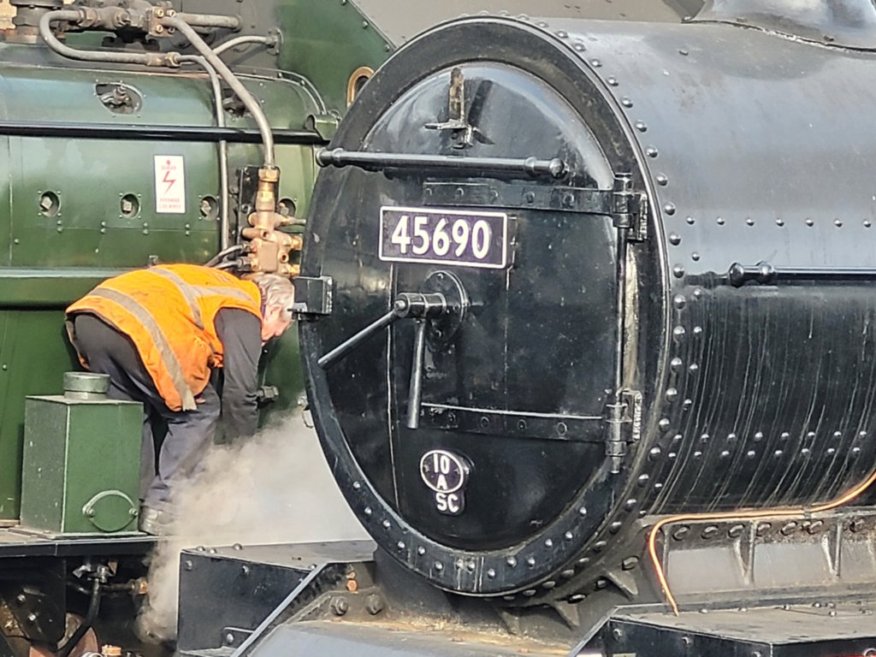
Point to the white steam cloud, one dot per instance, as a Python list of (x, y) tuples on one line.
[(273, 488)]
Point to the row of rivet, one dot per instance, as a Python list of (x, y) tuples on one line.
[(438, 566), (652, 152), (664, 424), (763, 529), (780, 223), (751, 453), (630, 504)]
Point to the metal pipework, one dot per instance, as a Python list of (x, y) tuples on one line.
[(248, 100), (170, 59), (211, 20), (268, 41), (224, 218), (269, 248)]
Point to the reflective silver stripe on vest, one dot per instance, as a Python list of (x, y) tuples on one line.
[(186, 290), (168, 357), (194, 292)]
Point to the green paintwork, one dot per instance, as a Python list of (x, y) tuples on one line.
[(81, 465), (48, 262), (326, 41)]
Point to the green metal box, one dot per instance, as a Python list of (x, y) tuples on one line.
[(81, 464)]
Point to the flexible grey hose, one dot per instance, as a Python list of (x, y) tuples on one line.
[(71, 15), (231, 80), (241, 40), (224, 221), (211, 20)]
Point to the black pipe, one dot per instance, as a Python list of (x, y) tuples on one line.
[(154, 133), (479, 166), (87, 622)]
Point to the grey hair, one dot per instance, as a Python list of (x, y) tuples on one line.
[(276, 291)]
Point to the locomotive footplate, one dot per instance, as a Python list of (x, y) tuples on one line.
[(819, 629), (791, 631), (23, 542), (227, 593), (332, 600)]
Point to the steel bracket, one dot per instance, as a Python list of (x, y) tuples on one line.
[(538, 426), (624, 419), (313, 295), (628, 209)]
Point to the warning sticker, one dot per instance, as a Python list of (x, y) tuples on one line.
[(170, 184)]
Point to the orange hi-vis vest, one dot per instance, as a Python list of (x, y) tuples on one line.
[(169, 314)]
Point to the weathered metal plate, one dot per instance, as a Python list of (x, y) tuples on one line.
[(329, 639), (819, 621)]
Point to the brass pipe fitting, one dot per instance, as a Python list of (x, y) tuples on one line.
[(269, 250)]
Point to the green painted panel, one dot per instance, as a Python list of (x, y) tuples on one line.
[(326, 41), (47, 262), (33, 356), (283, 370)]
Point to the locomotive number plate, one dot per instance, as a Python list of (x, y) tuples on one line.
[(457, 237)]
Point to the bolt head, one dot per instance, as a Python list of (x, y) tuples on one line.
[(340, 606)]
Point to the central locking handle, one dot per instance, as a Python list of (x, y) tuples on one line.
[(448, 305), (407, 305)]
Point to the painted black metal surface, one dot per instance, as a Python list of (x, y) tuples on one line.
[(513, 357), (223, 597), (227, 593), (819, 630), (724, 359)]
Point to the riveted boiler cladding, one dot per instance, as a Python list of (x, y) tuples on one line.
[(609, 283)]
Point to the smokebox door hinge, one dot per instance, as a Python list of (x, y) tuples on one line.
[(624, 419), (313, 295), (629, 208)]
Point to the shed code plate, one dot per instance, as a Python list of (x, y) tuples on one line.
[(430, 235)]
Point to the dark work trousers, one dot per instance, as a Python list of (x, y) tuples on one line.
[(186, 434)]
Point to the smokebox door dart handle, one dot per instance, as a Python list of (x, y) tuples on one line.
[(406, 305), (415, 391)]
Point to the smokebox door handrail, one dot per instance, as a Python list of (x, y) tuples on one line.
[(468, 166)]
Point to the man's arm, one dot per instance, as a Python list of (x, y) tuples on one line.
[(240, 334)]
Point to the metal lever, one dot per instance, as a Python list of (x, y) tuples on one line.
[(441, 311), (406, 304), (399, 308), (415, 390)]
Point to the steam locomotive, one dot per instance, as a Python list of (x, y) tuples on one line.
[(587, 322)]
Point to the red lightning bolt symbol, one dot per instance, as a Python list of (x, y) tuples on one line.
[(167, 178)]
